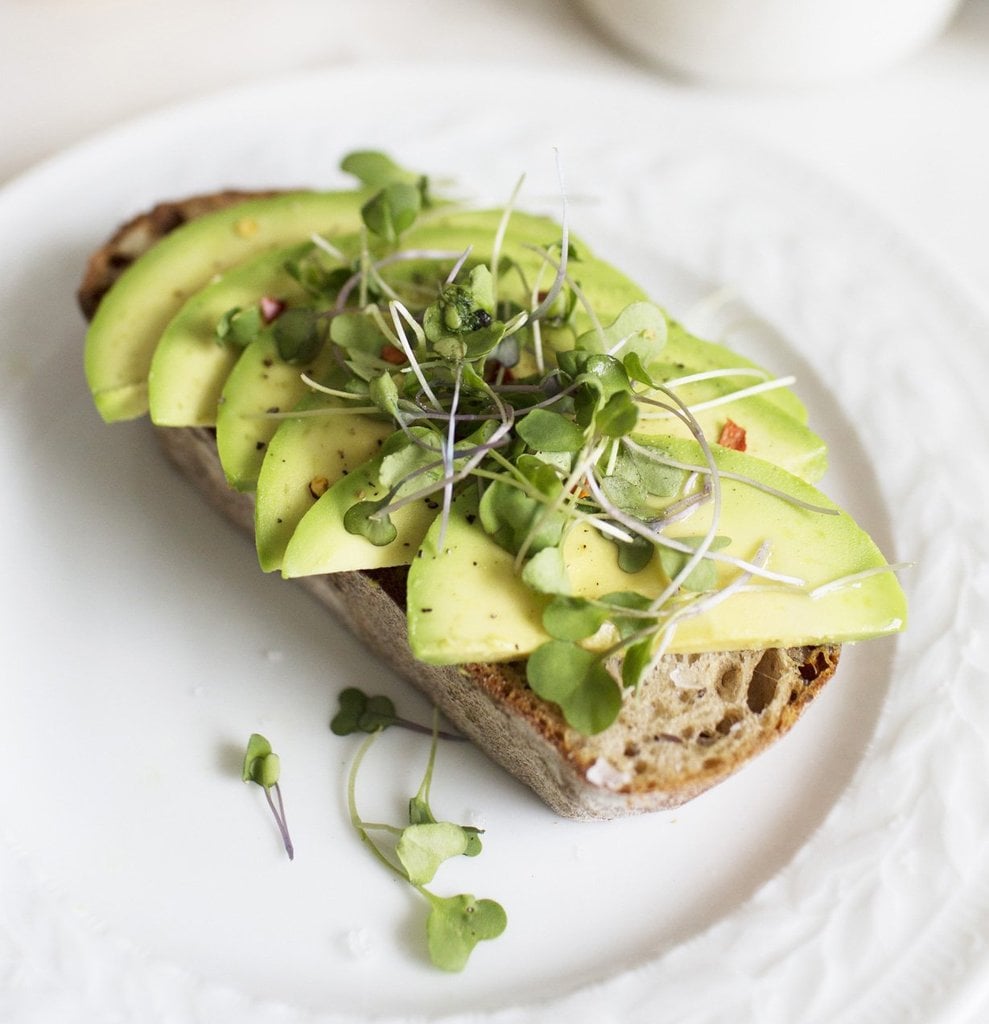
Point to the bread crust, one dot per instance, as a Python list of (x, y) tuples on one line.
[(138, 234), (696, 720)]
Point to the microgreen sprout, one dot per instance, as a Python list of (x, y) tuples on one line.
[(416, 851), (503, 386), (358, 712), (263, 767)]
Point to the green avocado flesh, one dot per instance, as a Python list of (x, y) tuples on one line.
[(466, 602), (132, 316), (439, 398), (307, 455), (191, 364)]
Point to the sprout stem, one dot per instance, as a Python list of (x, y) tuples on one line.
[(279, 815)]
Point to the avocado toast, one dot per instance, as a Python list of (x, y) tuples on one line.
[(592, 539)]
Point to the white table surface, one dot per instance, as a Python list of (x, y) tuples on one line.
[(911, 141)]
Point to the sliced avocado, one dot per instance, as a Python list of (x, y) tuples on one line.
[(191, 363), (686, 353), (321, 543), (304, 457), (770, 433), (131, 317), (608, 292), (259, 384), (466, 603)]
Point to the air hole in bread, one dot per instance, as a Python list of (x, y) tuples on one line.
[(728, 722), (810, 670), (762, 685), (731, 684)]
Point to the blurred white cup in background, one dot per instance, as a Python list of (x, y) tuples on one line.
[(772, 42)]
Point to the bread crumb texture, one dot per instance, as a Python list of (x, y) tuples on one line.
[(694, 721)]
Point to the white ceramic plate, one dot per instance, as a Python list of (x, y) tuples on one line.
[(840, 877)]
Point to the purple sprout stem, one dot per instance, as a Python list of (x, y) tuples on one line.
[(279, 815)]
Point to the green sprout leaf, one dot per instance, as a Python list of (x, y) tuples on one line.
[(376, 169), (575, 679), (299, 335), (364, 520), (455, 926), (633, 601), (420, 813), (649, 474), (473, 836), (360, 713), (640, 328), (635, 554), (508, 513), (383, 392), (392, 210), (258, 748), (456, 923), (636, 371), (320, 275), (548, 431), (406, 461), (422, 848), (240, 326), (357, 332), (637, 659), (263, 767), (618, 416), (460, 324), (546, 572), (627, 495), (573, 618)]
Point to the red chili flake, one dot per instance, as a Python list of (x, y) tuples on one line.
[(393, 355), (732, 436), (271, 308)]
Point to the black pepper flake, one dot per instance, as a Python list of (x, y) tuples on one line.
[(259, 446), (424, 610)]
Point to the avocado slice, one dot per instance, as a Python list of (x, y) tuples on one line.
[(770, 433), (131, 318), (322, 544), (305, 456), (466, 603), (322, 541), (191, 363), (685, 353), (259, 383)]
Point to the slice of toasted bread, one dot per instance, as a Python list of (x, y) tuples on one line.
[(692, 723)]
